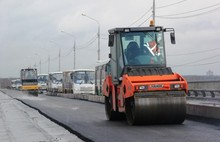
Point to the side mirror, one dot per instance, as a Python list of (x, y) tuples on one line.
[(50, 77), (71, 76), (110, 40), (172, 38)]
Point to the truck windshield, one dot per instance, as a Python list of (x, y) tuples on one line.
[(84, 77), (143, 48), (29, 74), (42, 78), (57, 77)]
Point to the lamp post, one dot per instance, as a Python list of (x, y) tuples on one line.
[(40, 61), (98, 34), (48, 60), (48, 63), (74, 48), (59, 53)]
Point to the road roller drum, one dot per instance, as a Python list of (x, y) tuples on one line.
[(156, 109)]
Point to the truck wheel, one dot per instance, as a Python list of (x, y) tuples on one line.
[(54, 93)]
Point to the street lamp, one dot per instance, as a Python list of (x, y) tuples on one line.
[(98, 34), (45, 49), (74, 48), (59, 52), (40, 61), (48, 63)]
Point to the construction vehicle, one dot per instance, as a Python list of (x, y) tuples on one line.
[(138, 84), (29, 81)]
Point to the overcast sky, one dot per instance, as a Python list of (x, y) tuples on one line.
[(30, 32)]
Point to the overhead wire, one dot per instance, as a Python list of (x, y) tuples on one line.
[(204, 64), (145, 20), (141, 17), (84, 44), (44, 62), (170, 4), (197, 61), (145, 13), (195, 52), (68, 52), (193, 10), (88, 44), (195, 15), (194, 63), (171, 16), (55, 58)]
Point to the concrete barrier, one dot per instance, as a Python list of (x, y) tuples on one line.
[(87, 97), (203, 110), (204, 85)]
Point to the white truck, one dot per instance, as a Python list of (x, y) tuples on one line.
[(55, 82), (16, 84), (42, 82), (79, 81)]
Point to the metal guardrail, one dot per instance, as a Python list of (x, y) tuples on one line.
[(204, 93)]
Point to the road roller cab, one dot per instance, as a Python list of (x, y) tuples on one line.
[(138, 84)]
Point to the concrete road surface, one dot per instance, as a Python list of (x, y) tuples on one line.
[(20, 123)]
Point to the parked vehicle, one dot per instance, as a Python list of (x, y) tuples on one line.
[(16, 84), (42, 82), (100, 74), (79, 81), (55, 82), (67, 81)]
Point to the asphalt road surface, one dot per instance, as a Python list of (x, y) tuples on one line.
[(88, 120)]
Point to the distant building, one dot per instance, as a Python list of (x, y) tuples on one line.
[(209, 73)]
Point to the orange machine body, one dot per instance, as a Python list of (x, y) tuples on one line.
[(130, 85)]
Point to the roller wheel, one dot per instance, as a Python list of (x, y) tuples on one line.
[(165, 110), (130, 110), (110, 113)]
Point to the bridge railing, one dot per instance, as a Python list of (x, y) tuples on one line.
[(204, 93)]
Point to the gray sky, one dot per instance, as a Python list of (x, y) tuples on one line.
[(30, 31)]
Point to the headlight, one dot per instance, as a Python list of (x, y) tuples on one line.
[(158, 29), (141, 88), (176, 86)]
